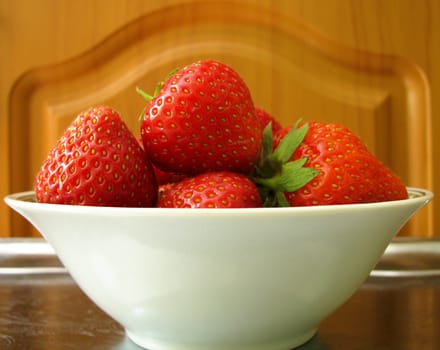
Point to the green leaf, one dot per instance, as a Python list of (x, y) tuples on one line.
[(141, 116), (267, 144), (269, 202), (290, 143), (295, 164), (291, 178), (264, 168), (170, 74), (281, 199), (144, 94), (159, 86), (275, 174)]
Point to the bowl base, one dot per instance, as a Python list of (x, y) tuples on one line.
[(281, 344)]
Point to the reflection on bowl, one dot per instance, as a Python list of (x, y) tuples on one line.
[(240, 279)]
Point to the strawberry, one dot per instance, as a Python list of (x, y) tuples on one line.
[(265, 118), (201, 120), (165, 177), (344, 171), (97, 161), (222, 189)]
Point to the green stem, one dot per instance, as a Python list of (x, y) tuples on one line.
[(144, 94)]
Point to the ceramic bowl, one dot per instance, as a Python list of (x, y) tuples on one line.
[(216, 279)]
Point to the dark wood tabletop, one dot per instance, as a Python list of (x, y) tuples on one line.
[(398, 306)]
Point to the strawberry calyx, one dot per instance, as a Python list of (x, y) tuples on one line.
[(145, 95), (156, 92), (275, 174), (158, 87)]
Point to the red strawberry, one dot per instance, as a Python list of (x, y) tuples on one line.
[(221, 189), (97, 161), (203, 119), (346, 172), (265, 118), (165, 177)]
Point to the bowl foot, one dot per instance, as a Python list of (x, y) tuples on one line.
[(282, 344)]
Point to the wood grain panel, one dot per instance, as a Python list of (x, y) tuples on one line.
[(293, 71)]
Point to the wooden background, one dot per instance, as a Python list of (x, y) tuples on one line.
[(372, 65)]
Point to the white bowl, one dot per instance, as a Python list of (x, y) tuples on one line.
[(219, 279)]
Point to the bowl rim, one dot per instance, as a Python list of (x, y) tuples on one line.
[(26, 200)]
